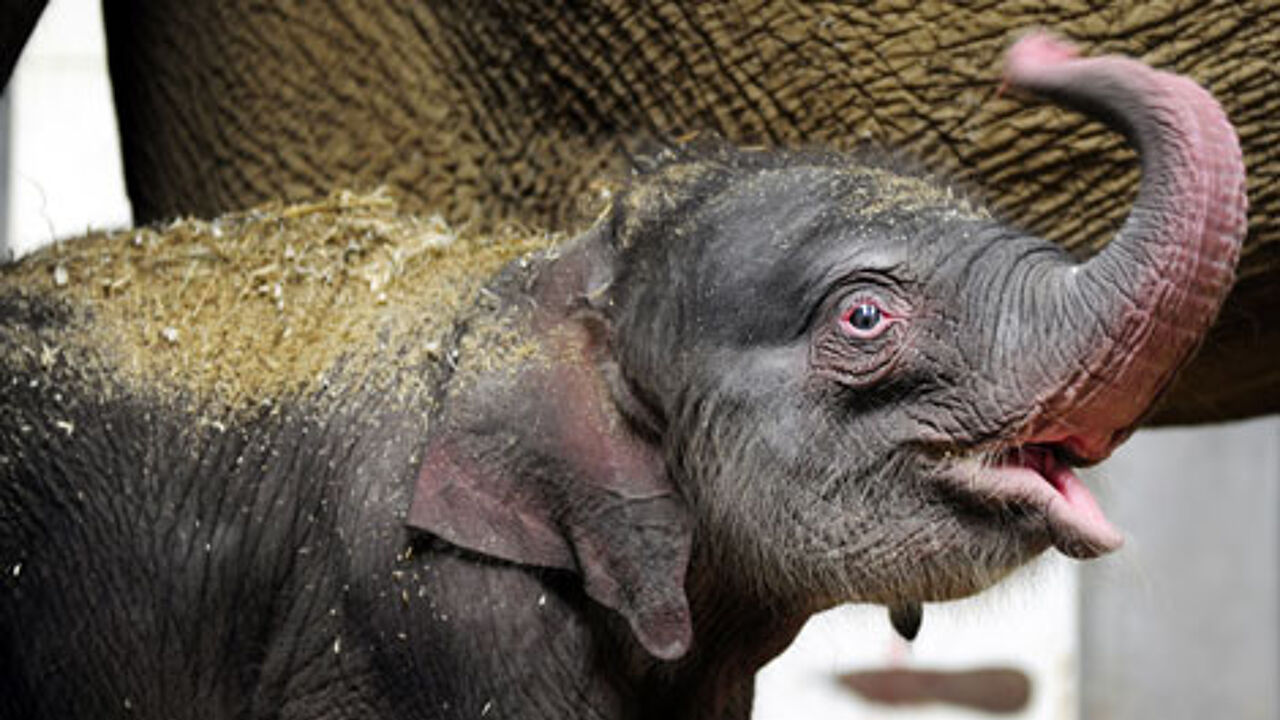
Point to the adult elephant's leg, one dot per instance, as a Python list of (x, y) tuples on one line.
[(17, 20), (229, 104)]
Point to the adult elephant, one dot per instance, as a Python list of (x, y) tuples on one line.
[(493, 111)]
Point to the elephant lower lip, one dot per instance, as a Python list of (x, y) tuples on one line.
[(1035, 476)]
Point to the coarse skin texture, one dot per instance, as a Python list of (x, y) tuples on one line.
[(606, 477), (221, 506), (513, 110)]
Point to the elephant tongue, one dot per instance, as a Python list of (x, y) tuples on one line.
[(1079, 527)]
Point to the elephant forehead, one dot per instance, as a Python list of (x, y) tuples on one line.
[(774, 246), (774, 214), (278, 300)]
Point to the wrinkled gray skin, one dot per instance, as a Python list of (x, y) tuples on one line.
[(490, 112), (709, 442)]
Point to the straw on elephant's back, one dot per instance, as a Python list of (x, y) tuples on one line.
[(255, 305)]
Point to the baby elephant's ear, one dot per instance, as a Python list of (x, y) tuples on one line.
[(534, 465), (467, 498)]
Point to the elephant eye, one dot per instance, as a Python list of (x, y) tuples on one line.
[(864, 320)]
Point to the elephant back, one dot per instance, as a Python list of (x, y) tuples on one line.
[(253, 307)]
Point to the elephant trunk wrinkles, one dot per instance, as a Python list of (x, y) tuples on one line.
[(1153, 292)]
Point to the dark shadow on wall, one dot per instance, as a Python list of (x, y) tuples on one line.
[(996, 690)]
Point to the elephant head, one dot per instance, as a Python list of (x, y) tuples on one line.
[(801, 379)]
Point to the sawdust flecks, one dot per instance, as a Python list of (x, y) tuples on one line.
[(278, 300)]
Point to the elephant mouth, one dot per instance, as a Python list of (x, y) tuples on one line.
[(1039, 478)]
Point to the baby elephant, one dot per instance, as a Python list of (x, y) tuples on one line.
[(323, 462)]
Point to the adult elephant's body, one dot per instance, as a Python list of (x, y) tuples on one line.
[(519, 110), (523, 110)]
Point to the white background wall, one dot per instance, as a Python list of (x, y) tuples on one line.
[(65, 177), (64, 173), (1185, 622), (1030, 622)]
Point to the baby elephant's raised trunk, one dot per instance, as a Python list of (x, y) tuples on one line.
[(1133, 314)]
